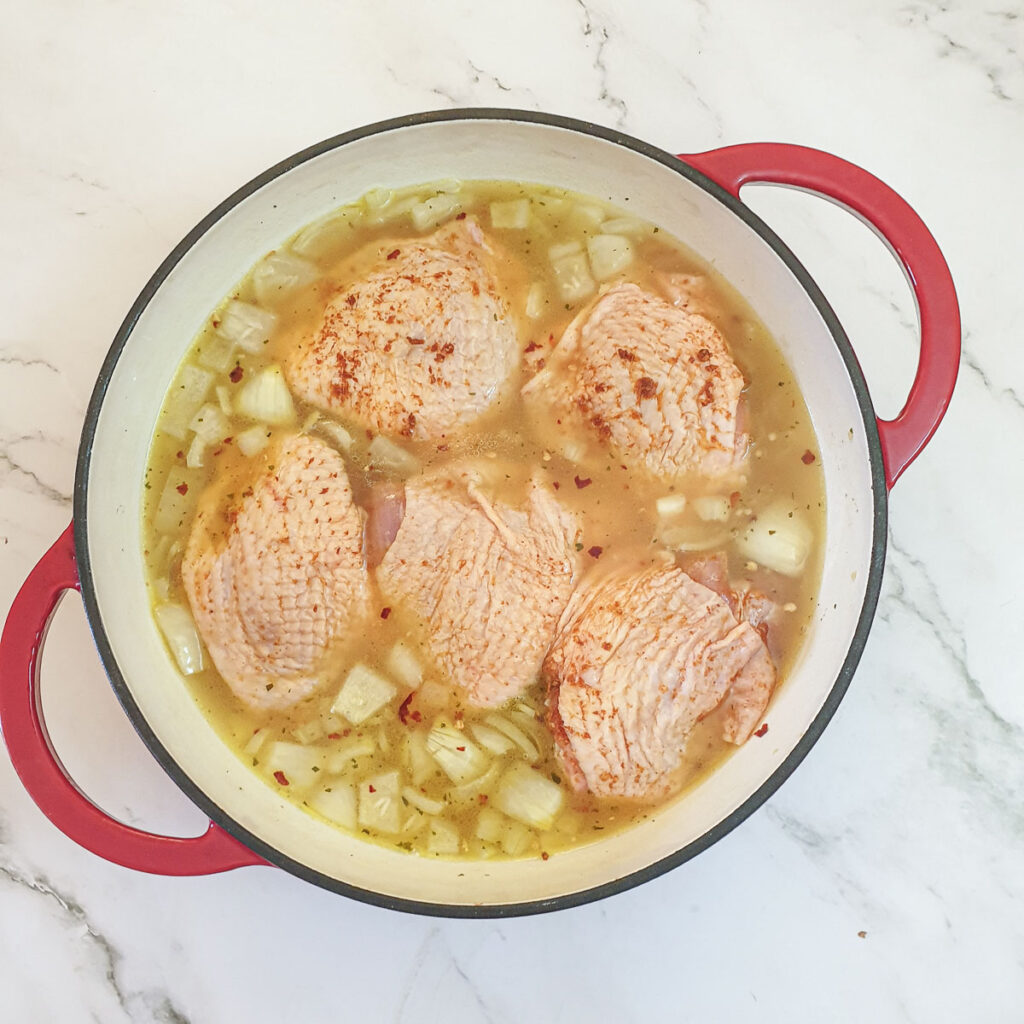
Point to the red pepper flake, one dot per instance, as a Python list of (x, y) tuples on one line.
[(555, 484), (460, 749), (415, 341), (807, 458), (762, 730), (282, 779), (180, 455), (182, 488), (595, 551), (416, 716), (481, 798), (442, 447), (734, 499), (626, 356), (461, 216), (606, 646), (645, 388), (403, 710), (334, 735), (372, 789), (532, 347), (544, 855), (236, 374), (215, 322), (582, 483), (393, 254), (350, 300), (385, 612)]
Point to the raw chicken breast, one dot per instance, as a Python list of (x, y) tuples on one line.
[(488, 580), (421, 345), (641, 656), (652, 382), (276, 577)]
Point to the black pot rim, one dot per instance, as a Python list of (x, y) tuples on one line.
[(628, 881)]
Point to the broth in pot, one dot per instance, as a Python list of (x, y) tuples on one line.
[(481, 518)]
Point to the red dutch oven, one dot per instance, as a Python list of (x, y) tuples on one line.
[(696, 198)]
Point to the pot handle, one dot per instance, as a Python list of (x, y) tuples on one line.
[(848, 185), (41, 771)]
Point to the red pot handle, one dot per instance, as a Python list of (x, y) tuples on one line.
[(38, 766), (904, 437)]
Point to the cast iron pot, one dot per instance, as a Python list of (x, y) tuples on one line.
[(694, 197)]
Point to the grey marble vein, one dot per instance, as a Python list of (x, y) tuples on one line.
[(985, 40), (12, 465), (597, 38), (971, 362), (160, 1005)]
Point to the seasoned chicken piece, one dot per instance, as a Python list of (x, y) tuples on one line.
[(641, 656), (488, 580), (421, 345), (275, 576), (650, 382)]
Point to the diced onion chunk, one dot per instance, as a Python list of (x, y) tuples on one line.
[(712, 508), (572, 275), (779, 539), (297, 763), (210, 424), (459, 757), (182, 638), (363, 694), (385, 454), (434, 211), (186, 396), (253, 440), (421, 801), (609, 255), (670, 506), (337, 803), (279, 274), (265, 396), (177, 500), (443, 838), (512, 213), (380, 802), (248, 326), (529, 797), (403, 664)]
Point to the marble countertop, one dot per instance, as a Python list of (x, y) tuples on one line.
[(885, 880)]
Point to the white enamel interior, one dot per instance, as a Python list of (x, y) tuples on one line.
[(467, 149)]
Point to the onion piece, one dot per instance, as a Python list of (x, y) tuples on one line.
[(516, 735), (299, 764), (670, 506), (380, 802), (496, 742), (279, 274), (177, 500), (416, 758), (210, 424), (444, 839), (253, 440), (459, 757), (215, 352), (529, 797), (536, 300), (572, 275), (336, 433), (385, 454), (712, 508), (265, 396), (186, 396), (337, 803), (248, 326), (341, 760), (403, 664), (363, 694), (421, 801), (511, 213), (609, 255), (324, 238), (179, 630), (779, 539), (432, 212)]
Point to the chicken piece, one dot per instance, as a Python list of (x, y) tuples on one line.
[(653, 383), (641, 656), (489, 580), (421, 345), (691, 292), (276, 577)]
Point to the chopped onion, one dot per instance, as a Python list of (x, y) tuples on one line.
[(443, 839), (779, 539), (563, 249), (385, 454), (265, 396), (416, 758), (490, 825), (609, 255), (712, 508), (247, 325), (253, 440), (459, 757), (529, 797), (403, 664), (210, 424), (322, 239), (380, 802), (377, 198), (536, 300), (572, 275), (512, 213), (196, 450), (516, 735), (434, 211), (216, 351), (336, 802), (421, 801), (516, 839), (256, 741), (182, 638), (279, 274), (626, 226), (670, 506), (224, 398), (186, 396), (310, 732), (300, 764), (340, 759), (177, 500), (496, 742), (337, 433), (588, 214), (363, 694), (694, 537)]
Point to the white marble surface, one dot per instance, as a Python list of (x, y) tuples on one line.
[(885, 881)]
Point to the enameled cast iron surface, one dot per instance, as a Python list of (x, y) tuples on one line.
[(207, 264)]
